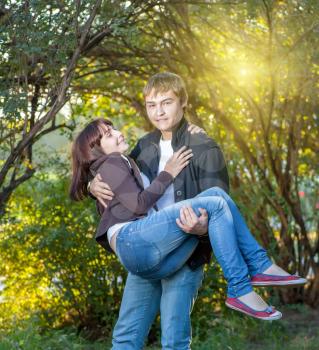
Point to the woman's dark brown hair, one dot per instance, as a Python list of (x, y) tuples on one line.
[(82, 156)]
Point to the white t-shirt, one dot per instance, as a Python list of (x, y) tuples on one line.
[(168, 197)]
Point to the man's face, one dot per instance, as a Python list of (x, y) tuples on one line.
[(164, 110)]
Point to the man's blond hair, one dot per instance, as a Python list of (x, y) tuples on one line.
[(162, 82)]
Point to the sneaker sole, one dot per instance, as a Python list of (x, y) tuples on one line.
[(279, 283), (273, 318)]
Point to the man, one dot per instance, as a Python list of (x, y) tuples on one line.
[(166, 100)]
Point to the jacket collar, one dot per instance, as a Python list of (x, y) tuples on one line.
[(95, 164), (132, 167), (178, 133)]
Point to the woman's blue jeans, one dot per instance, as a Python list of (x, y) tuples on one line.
[(155, 247)]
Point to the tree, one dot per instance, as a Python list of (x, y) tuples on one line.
[(41, 47)]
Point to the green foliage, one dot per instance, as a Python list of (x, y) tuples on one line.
[(228, 331), (36, 43), (30, 336), (52, 266), (41, 48)]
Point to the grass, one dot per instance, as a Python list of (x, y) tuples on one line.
[(31, 338), (299, 330), (240, 332)]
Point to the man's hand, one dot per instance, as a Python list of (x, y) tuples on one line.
[(189, 222), (101, 190), (194, 129)]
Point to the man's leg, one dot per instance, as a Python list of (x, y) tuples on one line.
[(179, 293), (140, 304)]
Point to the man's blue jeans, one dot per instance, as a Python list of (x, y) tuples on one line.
[(145, 245), (142, 299)]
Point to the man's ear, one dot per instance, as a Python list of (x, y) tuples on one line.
[(184, 104)]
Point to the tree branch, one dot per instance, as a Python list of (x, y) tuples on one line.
[(58, 101)]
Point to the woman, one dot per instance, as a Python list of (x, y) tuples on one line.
[(149, 243)]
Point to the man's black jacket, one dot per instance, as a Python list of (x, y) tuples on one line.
[(206, 169)]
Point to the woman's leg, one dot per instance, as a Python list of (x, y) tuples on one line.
[(173, 262), (138, 250), (261, 268), (254, 255), (147, 242)]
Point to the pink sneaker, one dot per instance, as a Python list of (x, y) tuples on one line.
[(269, 314), (264, 280)]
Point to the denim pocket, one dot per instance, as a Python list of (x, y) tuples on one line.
[(148, 256), (126, 255), (138, 256)]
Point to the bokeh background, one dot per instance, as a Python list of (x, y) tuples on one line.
[(252, 74)]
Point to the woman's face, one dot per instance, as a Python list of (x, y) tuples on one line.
[(113, 141)]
